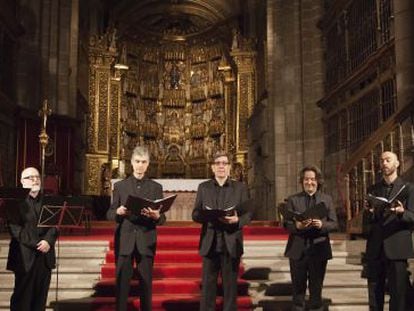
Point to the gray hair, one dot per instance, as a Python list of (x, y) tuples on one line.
[(141, 151)]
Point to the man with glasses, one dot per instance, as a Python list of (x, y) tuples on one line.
[(136, 235), (221, 241), (31, 252)]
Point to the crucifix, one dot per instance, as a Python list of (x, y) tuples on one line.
[(43, 137)]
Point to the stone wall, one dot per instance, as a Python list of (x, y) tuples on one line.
[(295, 75)]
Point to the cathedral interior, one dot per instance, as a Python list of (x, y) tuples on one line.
[(277, 84)]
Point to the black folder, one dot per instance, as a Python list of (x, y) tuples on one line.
[(135, 204), (381, 202), (246, 206), (319, 211)]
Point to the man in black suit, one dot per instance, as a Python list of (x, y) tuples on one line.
[(31, 252), (308, 247), (136, 235), (389, 241), (221, 240)]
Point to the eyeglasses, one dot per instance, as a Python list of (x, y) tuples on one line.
[(221, 163), (32, 177)]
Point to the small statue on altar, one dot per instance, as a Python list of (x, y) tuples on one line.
[(175, 77), (106, 179), (238, 171), (111, 37), (236, 39)]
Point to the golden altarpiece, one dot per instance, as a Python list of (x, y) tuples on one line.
[(184, 101)]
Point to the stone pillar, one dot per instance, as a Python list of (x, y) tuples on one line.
[(295, 84), (404, 47)]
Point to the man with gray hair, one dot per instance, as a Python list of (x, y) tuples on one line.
[(136, 235), (31, 252)]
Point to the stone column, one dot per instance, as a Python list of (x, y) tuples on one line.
[(404, 47)]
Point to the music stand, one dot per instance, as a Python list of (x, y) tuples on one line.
[(59, 216)]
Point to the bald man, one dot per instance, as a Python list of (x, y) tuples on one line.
[(31, 252), (389, 240)]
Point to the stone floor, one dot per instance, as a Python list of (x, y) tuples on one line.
[(266, 269)]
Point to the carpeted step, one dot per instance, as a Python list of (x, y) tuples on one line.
[(192, 302), (166, 270), (195, 230), (185, 302), (166, 242), (171, 286), (181, 256)]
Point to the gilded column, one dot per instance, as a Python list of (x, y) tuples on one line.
[(228, 80), (245, 59), (102, 53), (114, 118)]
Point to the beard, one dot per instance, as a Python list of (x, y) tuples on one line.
[(33, 188), (388, 171)]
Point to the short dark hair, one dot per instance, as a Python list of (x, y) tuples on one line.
[(316, 170), (220, 153)]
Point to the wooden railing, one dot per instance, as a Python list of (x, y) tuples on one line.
[(362, 167)]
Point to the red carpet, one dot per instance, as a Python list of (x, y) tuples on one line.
[(177, 269)]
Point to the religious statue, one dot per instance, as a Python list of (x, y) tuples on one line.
[(236, 39), (111, 35), (238, 171), (175, 77), (106, 179)]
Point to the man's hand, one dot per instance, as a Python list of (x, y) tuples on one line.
[(151, 213), (316, 223), (368, 206), (300, 225), (398, 207), (43, 246), (122, 211), (230, 219)]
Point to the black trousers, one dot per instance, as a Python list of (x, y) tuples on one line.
[(31, 288), (396, 273), (312, 269), (213, 264), (124, 273)]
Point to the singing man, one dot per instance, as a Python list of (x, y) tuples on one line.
[(31, 252), (136, 235), (221, 240)]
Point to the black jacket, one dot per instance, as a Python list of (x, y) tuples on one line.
[(314, 241), (233, 234), (390, 231), (24, 238), (135, 230)]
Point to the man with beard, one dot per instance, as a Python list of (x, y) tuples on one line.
[(136, 235), (308, 247), (31, 252), (389, 242)]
